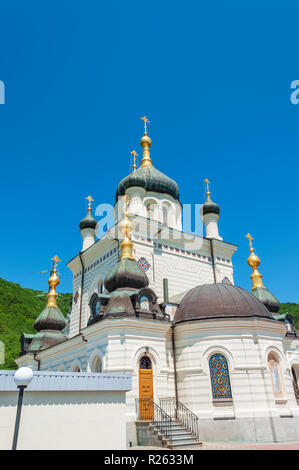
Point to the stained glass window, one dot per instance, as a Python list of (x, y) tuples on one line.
[(220, 377), (145, 363)]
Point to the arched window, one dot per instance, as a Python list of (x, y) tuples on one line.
[(77, 369), (165, 215), (150, 208), (96, 364), (145, 363), (274, 368), (220, 377)]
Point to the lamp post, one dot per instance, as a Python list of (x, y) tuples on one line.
[(22, 378)]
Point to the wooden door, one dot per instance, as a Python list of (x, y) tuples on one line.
[(146, 389)]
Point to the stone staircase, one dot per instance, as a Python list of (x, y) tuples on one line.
[(179, 437), (170, 424)]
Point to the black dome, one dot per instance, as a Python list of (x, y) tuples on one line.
[(50, 318), (126, 273), (210, 207), (219, 301), (134, 179), (150, 179), (88, 222)]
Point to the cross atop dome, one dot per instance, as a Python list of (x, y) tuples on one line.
[(146, 121), (55, 261), (207, 186), (90, 200), (135, 154), (250, 238)]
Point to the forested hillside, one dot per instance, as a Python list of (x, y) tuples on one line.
[(19, 307)]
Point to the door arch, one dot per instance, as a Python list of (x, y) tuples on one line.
[(146, 389)]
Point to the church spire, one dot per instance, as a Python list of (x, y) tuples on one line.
[(88, 226), (126, 228), (126, 273), (210, 212), (254, 262), (53, 283), (146, 143), (50, 322), (258, 289)]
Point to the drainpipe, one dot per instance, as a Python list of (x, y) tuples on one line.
[(81, 296), (153, 259), (165, 290), (213, 260), (174, 369), (83, 338), (37, 360)]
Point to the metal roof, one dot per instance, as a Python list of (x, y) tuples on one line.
[(68, 381), (176, 299)]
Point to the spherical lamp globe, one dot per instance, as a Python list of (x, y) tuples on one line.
[(23, 376)]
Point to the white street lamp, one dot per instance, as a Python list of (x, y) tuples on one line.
[(22, 378)]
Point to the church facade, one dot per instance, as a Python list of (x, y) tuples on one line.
[(153, 302)]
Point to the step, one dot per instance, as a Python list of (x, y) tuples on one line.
[(181, 433), (184, 443), (184, 437), (174, 426), (195, 445)]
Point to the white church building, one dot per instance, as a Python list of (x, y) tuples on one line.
[(151, 301)]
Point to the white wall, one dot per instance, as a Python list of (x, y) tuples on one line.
[(186, 264), (246, 345), (65, 420)]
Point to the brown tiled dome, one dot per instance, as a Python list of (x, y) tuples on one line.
[(219, 301)]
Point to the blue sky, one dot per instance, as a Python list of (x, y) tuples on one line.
[(214, 79)]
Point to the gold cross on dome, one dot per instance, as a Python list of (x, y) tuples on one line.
[(55, 260), (135, 154), (207, 183), (90, 200), (250, 238), (146, 121)]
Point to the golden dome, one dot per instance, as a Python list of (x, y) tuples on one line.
[(254, 261), (145, 140)]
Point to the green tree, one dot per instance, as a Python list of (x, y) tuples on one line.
[(19, 307)]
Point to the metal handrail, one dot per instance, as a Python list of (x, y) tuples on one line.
[(177, 410), (148, 410)]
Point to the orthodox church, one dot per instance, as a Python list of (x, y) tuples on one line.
[(151, 301)]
